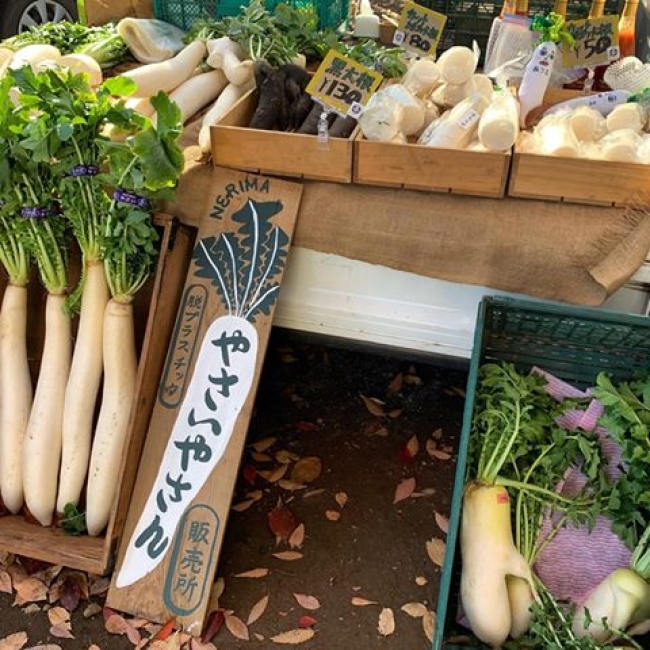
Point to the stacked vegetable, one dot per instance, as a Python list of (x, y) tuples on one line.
[(533, 456), (63, 179)]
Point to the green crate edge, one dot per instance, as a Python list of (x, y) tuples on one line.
[(442, 608)]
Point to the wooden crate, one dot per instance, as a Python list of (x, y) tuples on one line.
[(277, 153), (155, 309), (417, 167)]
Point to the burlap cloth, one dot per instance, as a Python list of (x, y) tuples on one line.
[(573, 253)]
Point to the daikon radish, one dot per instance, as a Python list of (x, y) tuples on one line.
[(422, 77), (42, 443), (604, 103), (225, 54), (5, 59), (230, 95), (483, 84), (621, 145), (457, 64), (521, 599), (32, 55), (587, 123), (627, 116), (83, 63), (150, 40), (498, 127), (167, 75), (413, 108), (381, 121), (459, 126), (197, 92), (141, 105), (449, 95)]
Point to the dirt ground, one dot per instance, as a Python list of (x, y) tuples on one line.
[(358, 543)]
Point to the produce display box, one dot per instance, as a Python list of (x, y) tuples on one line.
[(155, 308), (277, 153), (417, 167), (572, 343)]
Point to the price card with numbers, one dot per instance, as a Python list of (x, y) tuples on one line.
[(343, 85), (419, 29), (596, 42)]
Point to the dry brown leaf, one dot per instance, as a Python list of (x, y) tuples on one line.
[(412, 378), (32, 609), (307, 470), (434, 452), (289, 556), (382, 432), (341, 499), (264, 444), (374, 406), (255, 495), (427, 492), (404, 490), (243, 505), (395, 413), (308, 602), (116, 624), (58, 615), (297, 537), (420, 581), (442, 521), (48, 574), (274, 475), (237, 627), (139, 622), (46, 646), (436, 550), (253, 573), (258, 636), (437, 434), (99, 586), (386, 624), (92, 610), (62, 631), (415, 610), (257, 610), (413, 446), (29, 590), (357, 601), (288, 484), (284, 456), (261, 458), (396, 384), (294, 637), (93, 646), (333, 515), (14, 641), (429, 624), (313, 493), (5, 582), (282, 522), (195, 644)]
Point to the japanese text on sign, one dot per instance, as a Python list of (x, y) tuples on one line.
[(596, 42), (419, 29), (343, 84)]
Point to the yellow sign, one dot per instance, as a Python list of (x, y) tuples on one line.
[(419, 29), (596, 42), (343, 84)]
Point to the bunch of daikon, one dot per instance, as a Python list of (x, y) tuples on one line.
[(56, 174)]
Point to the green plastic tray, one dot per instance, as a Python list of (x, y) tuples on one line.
[(574, 344)]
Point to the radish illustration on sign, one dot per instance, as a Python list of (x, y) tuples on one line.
[(244, 267)]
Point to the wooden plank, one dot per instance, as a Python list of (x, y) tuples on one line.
[(287, 154), (417, 167), (176, 523)]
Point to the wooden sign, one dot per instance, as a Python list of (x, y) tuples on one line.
[(596, 42), (176, 523), (419, 29), (343, 84)]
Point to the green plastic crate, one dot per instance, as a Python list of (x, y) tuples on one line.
[(574, 344), (184, 13)]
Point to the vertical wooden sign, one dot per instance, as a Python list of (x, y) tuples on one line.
[(177, 517)]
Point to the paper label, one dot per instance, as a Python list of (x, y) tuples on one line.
[(419, 29), (469, 119), (596, 42)]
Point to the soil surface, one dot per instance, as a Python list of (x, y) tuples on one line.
[(358, 543)]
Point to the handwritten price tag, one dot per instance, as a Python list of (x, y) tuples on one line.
[(596, 42), (343, 84), (419, 29)]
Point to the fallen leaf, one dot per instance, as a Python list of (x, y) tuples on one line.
[(294, 637), (29, 590), (212, 625), (116, 624), (288, 484), (58, 615), (437, 434), (415, 610), (5, 582), (274, 475), (92, 610), (14, 641), (255, 495), (374, 406), (459, 391), (253, 573), (333, 515), (395, 413), (264, 444), (257, 610), (436, 550), (421, 581), (341, 499), (308, 602), (195, 644), (428, 491), (48, 574), (442, 521), (396, 384), (429, 624), (297, 537), (237, 627), (259, 637), (357, 601), (93, 646), (305, 427), (61, 631), (434, 452), (413, 446), (404, 490), (32, 609), (307, 470), (250, 474), (46, 646), (282, 522), (289, 556), (243, 505), (412, 378), (386, 625), (74, 587), (313, 493), (288, 358), (284, 456), (99, 586), (261, 458), (307, 621)]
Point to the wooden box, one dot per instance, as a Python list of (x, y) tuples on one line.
[(155, 309), (417, 167), (278, 153)]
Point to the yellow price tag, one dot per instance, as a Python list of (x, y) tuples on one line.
[(596, 42), (343, 84), (419, 29)]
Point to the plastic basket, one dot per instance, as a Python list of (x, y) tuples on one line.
[(184, 13), (574, 344)]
